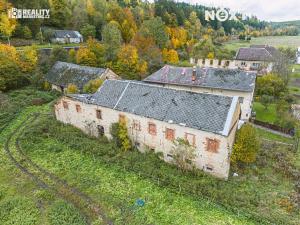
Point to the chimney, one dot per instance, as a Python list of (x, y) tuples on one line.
[(194, 73)]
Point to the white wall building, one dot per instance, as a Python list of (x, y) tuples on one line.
[(298, 56), (227, 82), (66, 36), (156, 116)]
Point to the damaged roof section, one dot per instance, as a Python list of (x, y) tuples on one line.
[(195, 110), (63, 73), (229, 79)]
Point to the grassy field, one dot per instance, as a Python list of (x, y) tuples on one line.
[(266, 115), (276, 41), (114, 179), (273, 137)]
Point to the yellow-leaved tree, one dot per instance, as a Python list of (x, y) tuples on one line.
[(7, 25), (92, 86), (86, 57), (170, 56), (72, 89), (246, 145)]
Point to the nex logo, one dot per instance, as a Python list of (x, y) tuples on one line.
[(221, 15)]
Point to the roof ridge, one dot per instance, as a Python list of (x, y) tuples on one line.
[(121, 96)]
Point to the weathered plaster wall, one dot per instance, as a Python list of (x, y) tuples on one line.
[(219, 161)]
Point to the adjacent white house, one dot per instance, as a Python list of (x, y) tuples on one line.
[(62, 74), (66, 36), (156, 116), (260, 58), (226, 82), (298, 56)]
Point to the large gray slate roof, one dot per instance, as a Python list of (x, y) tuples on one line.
[(63, 73), (66, 34), (229, 79), (200, 111), (258, 53)]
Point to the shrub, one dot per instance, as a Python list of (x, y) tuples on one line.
[(120, 136), (92, 86), (183, 153), (72, 89), (246, 145), (123, 136)]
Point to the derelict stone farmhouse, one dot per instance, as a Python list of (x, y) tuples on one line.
[(156, 115), (66, 36), (62, 74), (257, 57), (227, 82)]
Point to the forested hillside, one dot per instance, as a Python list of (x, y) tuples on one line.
[(132, 37)]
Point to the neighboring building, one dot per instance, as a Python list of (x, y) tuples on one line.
[(62, 74), (298, 56), (215, 63), (227, 82), (66, 36), (156, 116), (257, 57)]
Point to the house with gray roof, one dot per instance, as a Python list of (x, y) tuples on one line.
[(257, 57), (62, 74), (156, 116), (66, 36), (219, 81)]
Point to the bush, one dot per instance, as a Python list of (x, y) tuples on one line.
[(246, 145), (92, 86), (72, 89), (183, 154)]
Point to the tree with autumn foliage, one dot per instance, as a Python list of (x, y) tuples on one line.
[(7, 25), (246, 145), (16, 67), (86, 57), (148, 51), (72, 89), (170, 56), (92, 86), (129, 64)]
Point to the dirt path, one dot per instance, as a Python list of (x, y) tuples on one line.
[(45, 179)]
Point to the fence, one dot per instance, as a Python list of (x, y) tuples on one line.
[(288, 131)]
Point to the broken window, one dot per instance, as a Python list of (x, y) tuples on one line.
[(152, 129), (241, 100), (190, 138), (78, 108), (170, 134), (136, 125), (212, 145), (100, 130), (98, 114), (65, 105)]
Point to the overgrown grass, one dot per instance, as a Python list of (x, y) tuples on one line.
[(266, 115), (273, 137), (261, 192), (13, 102), (259, 189)]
